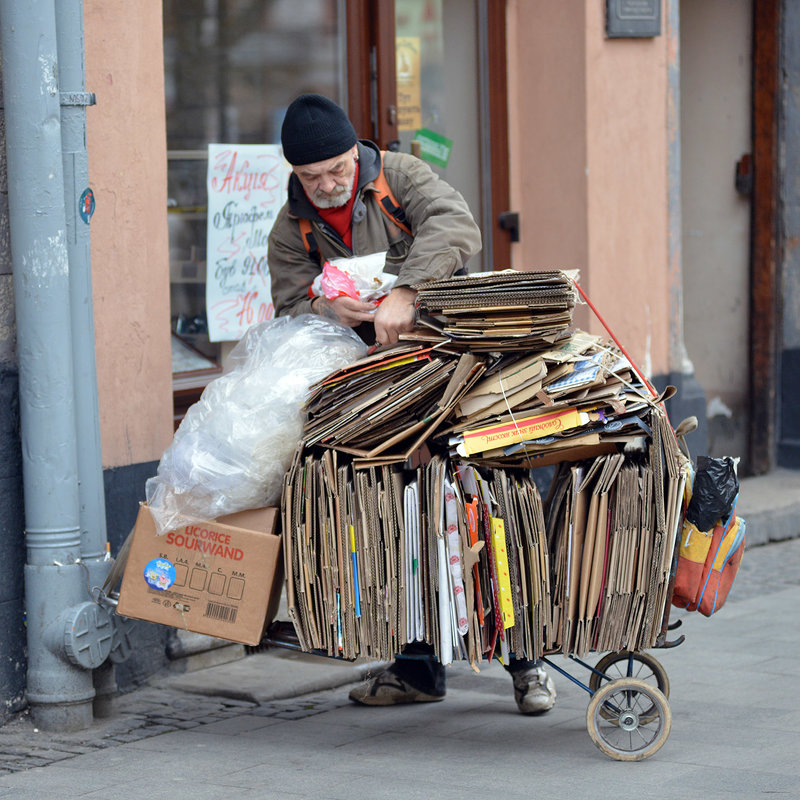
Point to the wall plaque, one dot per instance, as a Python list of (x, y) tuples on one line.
[(633, 18)]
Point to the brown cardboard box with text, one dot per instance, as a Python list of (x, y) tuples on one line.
[(220, 577)]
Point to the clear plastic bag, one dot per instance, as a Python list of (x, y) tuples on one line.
[(235, 444)]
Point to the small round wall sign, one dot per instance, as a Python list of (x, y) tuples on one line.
[(86, 205)]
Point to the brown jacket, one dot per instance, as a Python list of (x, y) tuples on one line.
[(445, 233)]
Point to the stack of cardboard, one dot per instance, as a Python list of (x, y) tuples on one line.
[(410, 513), (612, 528), (577, 399), (385, 556), (499, 310), (386, 405)]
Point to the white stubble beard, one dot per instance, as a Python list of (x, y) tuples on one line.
[(339, 197)]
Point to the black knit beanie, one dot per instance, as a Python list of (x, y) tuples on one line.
[(315, 129)]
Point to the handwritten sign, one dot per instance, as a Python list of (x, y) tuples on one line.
[(246, 189)]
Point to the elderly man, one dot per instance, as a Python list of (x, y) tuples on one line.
[(347, 198), (333, 187)]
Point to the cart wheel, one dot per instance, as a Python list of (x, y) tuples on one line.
[(628, 719), (629, 665)]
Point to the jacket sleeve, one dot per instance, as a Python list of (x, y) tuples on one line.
[(445, 232), (291, 269)]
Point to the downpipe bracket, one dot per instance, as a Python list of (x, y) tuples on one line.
[(78, 98)]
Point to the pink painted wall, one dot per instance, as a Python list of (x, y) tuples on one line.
[(547, 132), (588, 119), (130, 267)]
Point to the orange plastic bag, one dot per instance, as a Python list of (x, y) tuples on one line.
[(707, 564)]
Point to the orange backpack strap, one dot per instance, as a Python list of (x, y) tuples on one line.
[(309, 240), (388, 203)]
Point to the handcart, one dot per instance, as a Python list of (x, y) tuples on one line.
[(393, 535), (628, 717), (410, 514)]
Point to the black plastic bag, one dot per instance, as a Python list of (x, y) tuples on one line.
[(716, 486)]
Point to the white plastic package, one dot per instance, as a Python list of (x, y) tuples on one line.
[(234, 445), (359, 277)]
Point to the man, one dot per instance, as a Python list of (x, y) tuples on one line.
[(332, 186), (333, 211)]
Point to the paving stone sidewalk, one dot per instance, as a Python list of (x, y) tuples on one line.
[(766, 569), (145, 712), (153, 710)]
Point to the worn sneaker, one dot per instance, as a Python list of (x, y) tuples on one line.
[(388, 690), (534, 691)]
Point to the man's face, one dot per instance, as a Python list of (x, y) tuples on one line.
[(329, 183)]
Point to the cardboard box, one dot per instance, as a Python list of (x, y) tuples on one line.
[(222, 577)]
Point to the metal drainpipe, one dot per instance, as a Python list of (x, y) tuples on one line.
[(79, 205), (62, 631)]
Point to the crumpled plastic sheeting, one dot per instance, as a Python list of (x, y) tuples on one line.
[(234, 445)]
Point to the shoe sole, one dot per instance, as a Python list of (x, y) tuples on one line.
[(537, 713), (393, 701)]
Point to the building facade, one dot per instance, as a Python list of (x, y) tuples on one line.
[(655, 158)]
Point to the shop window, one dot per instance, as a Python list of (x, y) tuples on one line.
[(231, 69)]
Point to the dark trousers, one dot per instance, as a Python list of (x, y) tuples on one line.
[(418, 668)]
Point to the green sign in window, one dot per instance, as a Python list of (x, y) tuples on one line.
[(434, 147)]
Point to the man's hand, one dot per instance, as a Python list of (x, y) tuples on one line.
[(395, 315), (346, 310)]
